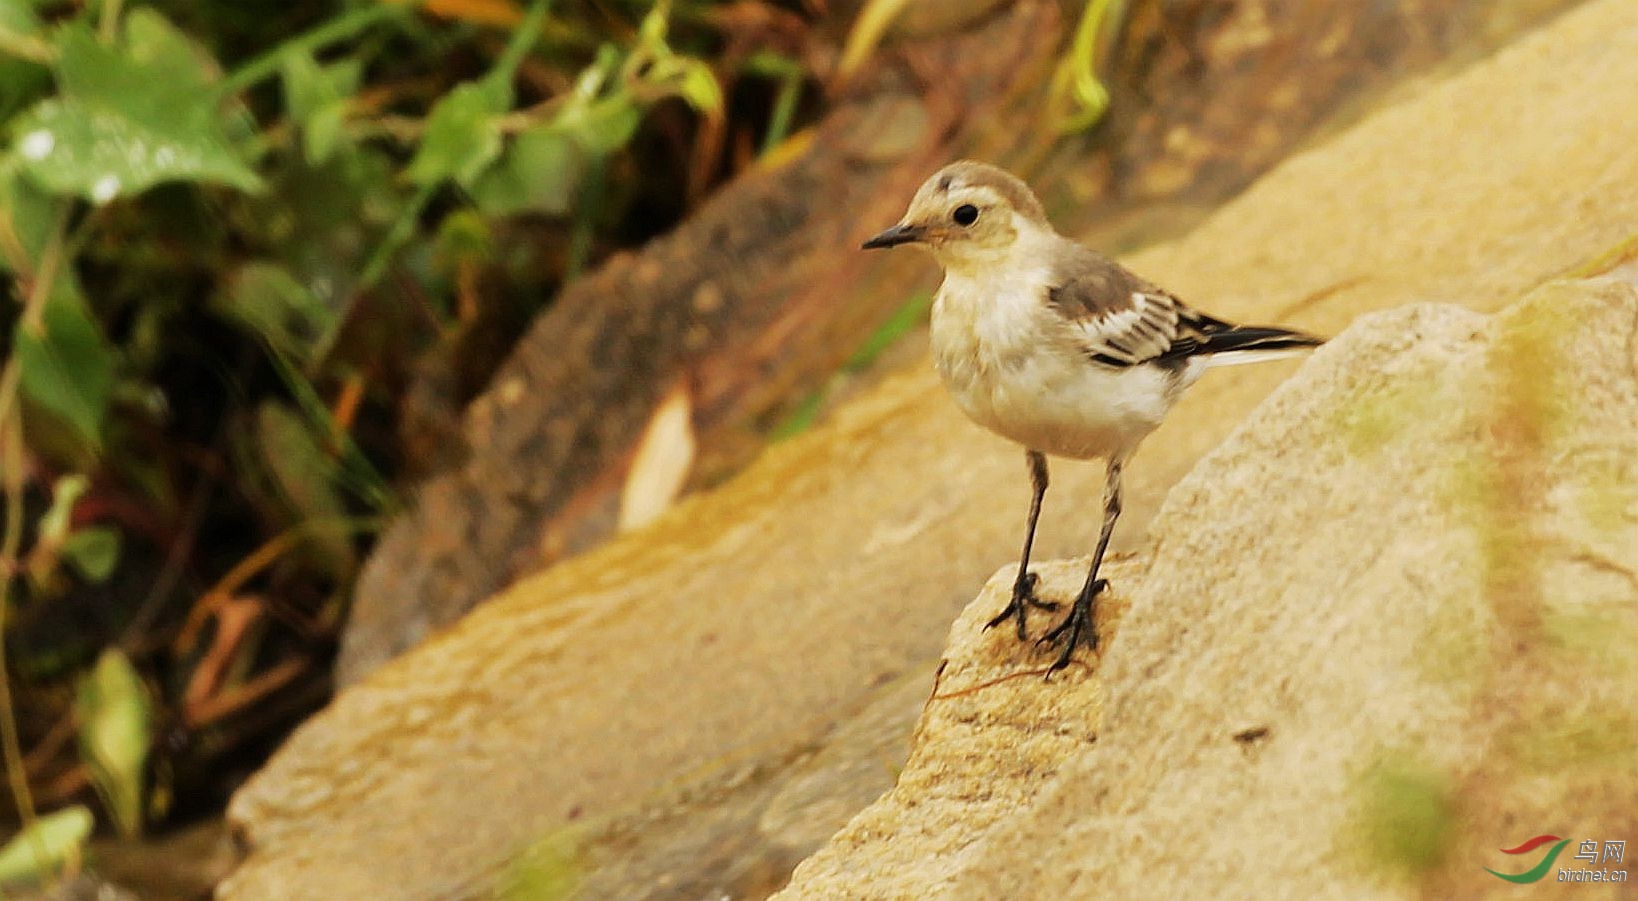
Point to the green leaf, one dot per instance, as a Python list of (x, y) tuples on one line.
[(116, 731), (267, 301), (59, 835), (317, 99), (52, 532), (659, 66), (305, 89), (345, 76), (541, 172), (698, 85), (164, 51), (688, 78), (602, 126), (22, 81), (323, 134), (463, 134), (68, 370), (27, 212), (65, 492), (129, 117), (651, 34), (93, 551), (19, 18)]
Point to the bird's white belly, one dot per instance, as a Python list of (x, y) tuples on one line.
[(1077, 412), (1020, 384)]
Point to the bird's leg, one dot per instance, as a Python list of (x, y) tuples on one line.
[(1023, 590), (1079, 622)]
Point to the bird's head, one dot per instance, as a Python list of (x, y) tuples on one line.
[(969, 215)]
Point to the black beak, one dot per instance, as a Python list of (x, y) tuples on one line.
[(898, 234)]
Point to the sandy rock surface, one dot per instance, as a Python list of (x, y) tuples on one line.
[(1381, 632)]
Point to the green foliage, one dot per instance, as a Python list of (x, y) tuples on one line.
[(29, 214), (23, 51), (115, 732), (229, 247), (265, 300), (92, 551), (128, 117), (463, 134), (18, 19), (540, 172), (1078, 97), (67, 368), (54, 523), (45, 846), (317, 98)]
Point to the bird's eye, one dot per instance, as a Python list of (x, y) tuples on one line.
[(964, 215)]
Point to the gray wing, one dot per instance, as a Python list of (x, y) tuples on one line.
[(1116, 317), (1120, 320)]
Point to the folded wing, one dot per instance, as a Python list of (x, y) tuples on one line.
[(1121, 320)]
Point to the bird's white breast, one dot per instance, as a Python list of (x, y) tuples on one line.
[(1013, 366)]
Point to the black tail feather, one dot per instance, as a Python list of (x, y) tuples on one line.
[(1214, 336), (1256, 337)]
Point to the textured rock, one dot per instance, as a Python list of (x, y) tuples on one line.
[(1381, 631), (748, 622)]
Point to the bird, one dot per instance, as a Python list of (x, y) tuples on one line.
[(1056, 347)]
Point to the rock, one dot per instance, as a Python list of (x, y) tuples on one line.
[(751, 623), (739, 829), (1381, 631)]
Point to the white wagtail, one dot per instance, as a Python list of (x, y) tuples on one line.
[(1052, 345)]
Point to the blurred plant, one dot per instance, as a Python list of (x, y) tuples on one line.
[(197, 406), (1077, 98), (875, 18), (50, 843)]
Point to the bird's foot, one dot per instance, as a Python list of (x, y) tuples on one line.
[(1023, 598), (1077, 628)]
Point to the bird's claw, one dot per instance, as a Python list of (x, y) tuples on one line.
[(1023, 597), (1078, 626)]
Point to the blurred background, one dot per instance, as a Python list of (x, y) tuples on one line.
[(324, 321)]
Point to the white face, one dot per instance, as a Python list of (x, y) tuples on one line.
[(963, 226), (967, 215)]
